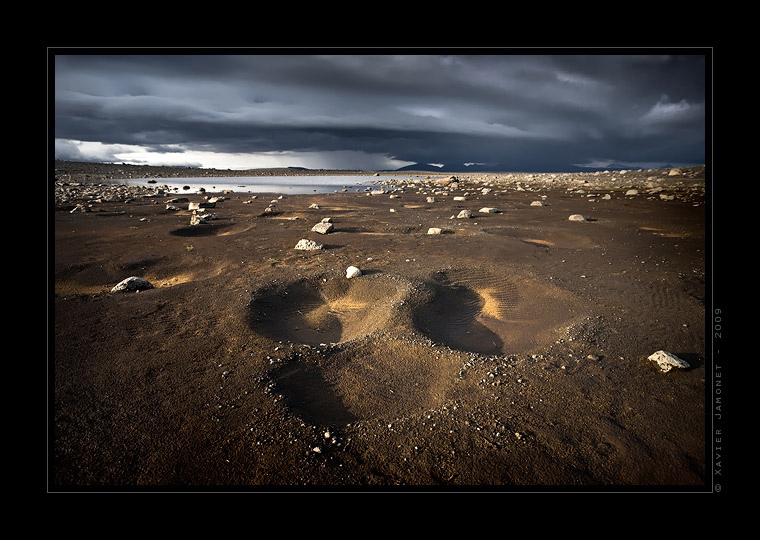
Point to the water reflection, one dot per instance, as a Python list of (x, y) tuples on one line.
[(264, 184)]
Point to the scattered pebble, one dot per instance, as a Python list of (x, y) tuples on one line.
[(352, 272), (308, 245), (132, 284), (667, 361), (322, 227)]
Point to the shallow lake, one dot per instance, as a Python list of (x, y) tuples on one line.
[(266, 184)]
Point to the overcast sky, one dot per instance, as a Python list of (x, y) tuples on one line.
[(505, 111)]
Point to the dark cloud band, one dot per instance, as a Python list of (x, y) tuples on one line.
[(519, 112)]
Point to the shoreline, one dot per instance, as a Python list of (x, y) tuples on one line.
[(76, 184)]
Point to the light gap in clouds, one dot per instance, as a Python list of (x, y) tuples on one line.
[(665, 110), (179, 157)]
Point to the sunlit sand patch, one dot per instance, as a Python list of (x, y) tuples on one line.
[(171, 281), (492, 307), (73, 288), (546, 243), (295, 217), (345, 304), (672, 235), (561, 239), (344, 208), (414, 206), (341, 306), (663, 233)]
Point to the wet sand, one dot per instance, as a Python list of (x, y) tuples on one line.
[(509, 352)]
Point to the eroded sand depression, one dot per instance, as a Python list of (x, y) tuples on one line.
[(381, 346), (493, 312)]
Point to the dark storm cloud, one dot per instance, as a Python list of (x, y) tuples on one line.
[(522, 112)]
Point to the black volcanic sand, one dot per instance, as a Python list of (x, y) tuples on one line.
[(509, 351)]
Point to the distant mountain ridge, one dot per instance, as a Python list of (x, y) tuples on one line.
[(500, 167)]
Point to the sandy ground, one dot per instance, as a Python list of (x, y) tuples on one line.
[(508, 352)]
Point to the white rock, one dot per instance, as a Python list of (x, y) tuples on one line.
[(464, 214), (667, 361), (322, 228), (632, 192), (132, 284), (80, 208), (538, 203), (434, 230), (314, 206), (326, 220), (308, 245), (675, 172), (460, 198), (488, 210), (431, 199), (577, 217), (353, 271)]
